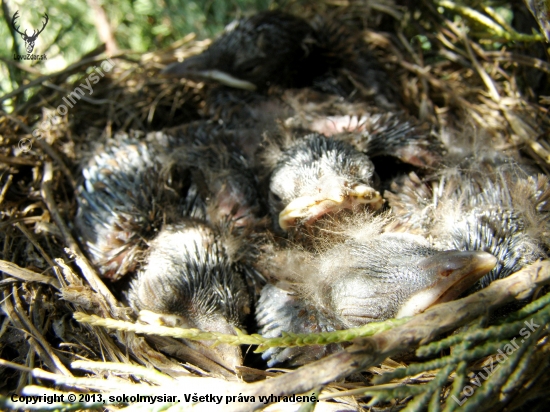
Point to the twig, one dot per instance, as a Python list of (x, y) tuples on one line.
[(58, 160), (9, 310), (35, 243), (103, 27), (20, 66), (147, 373), (496, 17), (5, 188), (493, 27), (525, 132), (493, 92), (41, 79), (16, 366), (27, 275), (519, 59), (287, 340), (37, 335), (89, 273), (192, 334), (19, 161)]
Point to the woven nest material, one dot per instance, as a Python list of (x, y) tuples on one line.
[(452, 71)]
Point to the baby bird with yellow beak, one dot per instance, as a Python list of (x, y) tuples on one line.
[(317, 175), (359, 275)]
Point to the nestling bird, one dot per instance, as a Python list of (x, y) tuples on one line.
[(222, 172), (311, 77), (122, 202), (488, 203), (317, 175), (276, 48), (178, 218), (131, 188), (189, 280), (389, 134), (255, 52), (370, 276), (261, 62)]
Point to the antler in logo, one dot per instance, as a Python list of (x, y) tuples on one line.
[(29, 40)]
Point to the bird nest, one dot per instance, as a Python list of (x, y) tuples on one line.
[(64, 331)]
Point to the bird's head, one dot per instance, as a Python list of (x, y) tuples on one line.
[(269, 48), (189, 281), (394, 275), (318, 175), (363, 275)]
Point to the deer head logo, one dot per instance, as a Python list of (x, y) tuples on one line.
[(29, 40)]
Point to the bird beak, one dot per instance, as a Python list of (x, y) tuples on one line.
[(199, 67), (308, 209), (228, 356), (453, 273)]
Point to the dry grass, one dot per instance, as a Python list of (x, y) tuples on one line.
[(462, 78)]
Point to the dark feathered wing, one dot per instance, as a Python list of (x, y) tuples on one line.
[(490, 206), (123, 202)]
